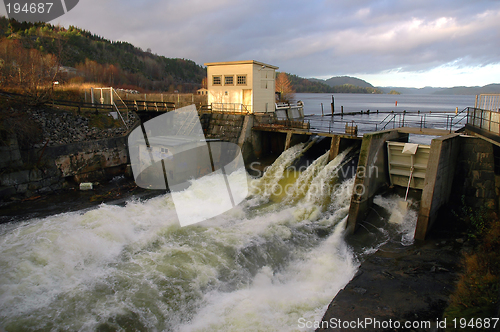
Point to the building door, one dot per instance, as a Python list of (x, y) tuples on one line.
[(247, 99)]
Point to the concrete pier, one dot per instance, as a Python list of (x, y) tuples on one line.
[(438, 181), (334, 148), (371, 173)]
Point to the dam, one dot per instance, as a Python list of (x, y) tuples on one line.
[(275, 259)]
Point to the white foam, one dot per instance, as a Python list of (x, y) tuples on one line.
[(402, 216), (275, 301), (253, 267)]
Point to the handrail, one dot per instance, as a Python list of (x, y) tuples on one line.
[(458, 114), (230, 107), (485, 118), (438, 120), (388, 121), (388, 115), (79, 104), (147, 105), (459, 120), (120, 114)]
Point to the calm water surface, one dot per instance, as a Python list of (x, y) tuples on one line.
[(384, 102)]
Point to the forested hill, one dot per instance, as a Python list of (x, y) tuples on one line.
[(102, 61), (345, 85), (341, 80)]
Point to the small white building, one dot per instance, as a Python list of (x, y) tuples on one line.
[(241, 86), (202, 91)]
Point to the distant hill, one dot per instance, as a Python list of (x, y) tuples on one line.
[(341, 80), (472, 90), (421, 91), (341, 84), (99, 60), (458, 90)]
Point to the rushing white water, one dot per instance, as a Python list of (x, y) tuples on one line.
[(260, 266), (402, 216), (266, 185)]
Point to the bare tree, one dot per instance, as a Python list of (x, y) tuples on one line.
[(27, 70), (284, 88)]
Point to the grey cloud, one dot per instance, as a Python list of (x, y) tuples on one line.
[(307, 38)]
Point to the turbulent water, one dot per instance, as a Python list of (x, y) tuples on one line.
[(272, 260)]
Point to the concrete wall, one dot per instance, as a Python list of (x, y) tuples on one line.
[(233, 128), (263, 89), (226, 127), (24, 181), (475, 173), (237, 129), (38, 171), (45, 170), (91, 160), (371, 174), (10, 156), (438, 181)]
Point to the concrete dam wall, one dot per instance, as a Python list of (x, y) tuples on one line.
[(460, 168)]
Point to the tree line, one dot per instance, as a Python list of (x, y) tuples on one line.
[(99, 60)]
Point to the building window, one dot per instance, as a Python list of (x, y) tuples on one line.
[(228, 80), (241, 80), (216, 80), (263, 84)]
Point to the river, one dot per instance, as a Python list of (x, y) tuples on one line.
[(278, 257)]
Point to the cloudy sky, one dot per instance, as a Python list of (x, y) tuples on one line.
[(386, 42)]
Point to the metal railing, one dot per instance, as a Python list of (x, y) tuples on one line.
[(230, 107), (390, 118), (484, 119), (489, 102), (148, 106), (449, 121)]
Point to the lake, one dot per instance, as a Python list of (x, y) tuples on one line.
[(353, 102)]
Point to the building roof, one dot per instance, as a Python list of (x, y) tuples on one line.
[(244, 62)]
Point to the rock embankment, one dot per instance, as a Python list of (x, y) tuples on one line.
[(70, 149), (401, 287), (62, 127)]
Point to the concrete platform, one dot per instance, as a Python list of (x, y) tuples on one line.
[(424, 131), (303, 132)]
